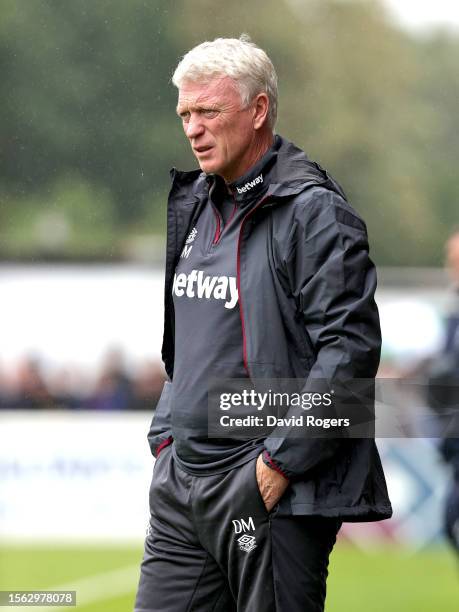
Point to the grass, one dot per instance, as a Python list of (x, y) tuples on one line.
[(392, 580), (384, 579)]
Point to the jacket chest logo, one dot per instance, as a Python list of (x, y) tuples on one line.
[(188, 246), (198, 285)]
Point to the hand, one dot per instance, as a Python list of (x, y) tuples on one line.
[(272, 485)]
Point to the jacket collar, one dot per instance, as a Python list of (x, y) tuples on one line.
[(253, 184), (285, 170)]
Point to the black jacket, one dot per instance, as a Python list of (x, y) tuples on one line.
[(304, 271)]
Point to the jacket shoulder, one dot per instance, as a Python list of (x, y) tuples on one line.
[(319, 201)]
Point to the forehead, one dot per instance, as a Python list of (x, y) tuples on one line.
[(219, 90)]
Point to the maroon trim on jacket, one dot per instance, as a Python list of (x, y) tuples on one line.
[(273, 465), (238, 282), (217, 229), (163, 444)]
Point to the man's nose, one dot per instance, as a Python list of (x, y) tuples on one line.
[(194, 127)]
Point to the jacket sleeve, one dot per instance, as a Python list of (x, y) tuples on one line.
[(160, 434), (333, 281)]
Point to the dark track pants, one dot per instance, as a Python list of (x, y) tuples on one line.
[(213, 547)]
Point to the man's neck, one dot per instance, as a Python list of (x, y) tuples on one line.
[(257, 151)]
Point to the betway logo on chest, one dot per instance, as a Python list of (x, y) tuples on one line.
[(196, 284), (248, 186)]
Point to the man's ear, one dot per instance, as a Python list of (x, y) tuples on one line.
[(261, 107)]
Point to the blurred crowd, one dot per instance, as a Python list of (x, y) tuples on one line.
[(32, 385)]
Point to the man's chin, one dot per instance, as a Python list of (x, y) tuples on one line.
[(209, 167)]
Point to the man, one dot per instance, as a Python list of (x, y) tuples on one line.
[(449, 447), (267, 276)]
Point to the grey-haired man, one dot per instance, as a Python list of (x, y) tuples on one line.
[(267, 276)]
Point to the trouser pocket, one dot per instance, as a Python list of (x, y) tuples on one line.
[(257, 491)]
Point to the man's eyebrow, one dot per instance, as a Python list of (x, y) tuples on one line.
[(181, 108)]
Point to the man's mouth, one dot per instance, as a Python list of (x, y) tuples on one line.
[(202, 149)]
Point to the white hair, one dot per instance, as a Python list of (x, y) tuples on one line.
[(240, 59)]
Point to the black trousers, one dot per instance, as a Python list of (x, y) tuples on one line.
[(213, 547)]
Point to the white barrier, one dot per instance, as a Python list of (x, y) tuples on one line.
[(74, 475)]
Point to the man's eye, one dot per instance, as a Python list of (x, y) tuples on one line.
[(185, 117), (210, 113)]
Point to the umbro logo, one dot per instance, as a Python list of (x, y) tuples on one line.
[(246, 542), (248, 186)]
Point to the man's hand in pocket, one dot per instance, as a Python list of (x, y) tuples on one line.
[(272, 485)]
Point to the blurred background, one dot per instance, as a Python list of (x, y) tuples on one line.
[(88, 133)]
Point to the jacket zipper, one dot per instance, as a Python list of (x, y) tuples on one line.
[(219, 232), (217, 229), (238, 282)]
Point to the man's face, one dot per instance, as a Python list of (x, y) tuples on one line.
[(219, 129)]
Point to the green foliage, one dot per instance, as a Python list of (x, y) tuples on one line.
[(72, 215), (88, 105)]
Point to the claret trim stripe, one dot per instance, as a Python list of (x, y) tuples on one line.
[(273, 465), (238, 282), (167, 442)]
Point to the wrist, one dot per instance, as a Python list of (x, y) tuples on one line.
[(267, 460)]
